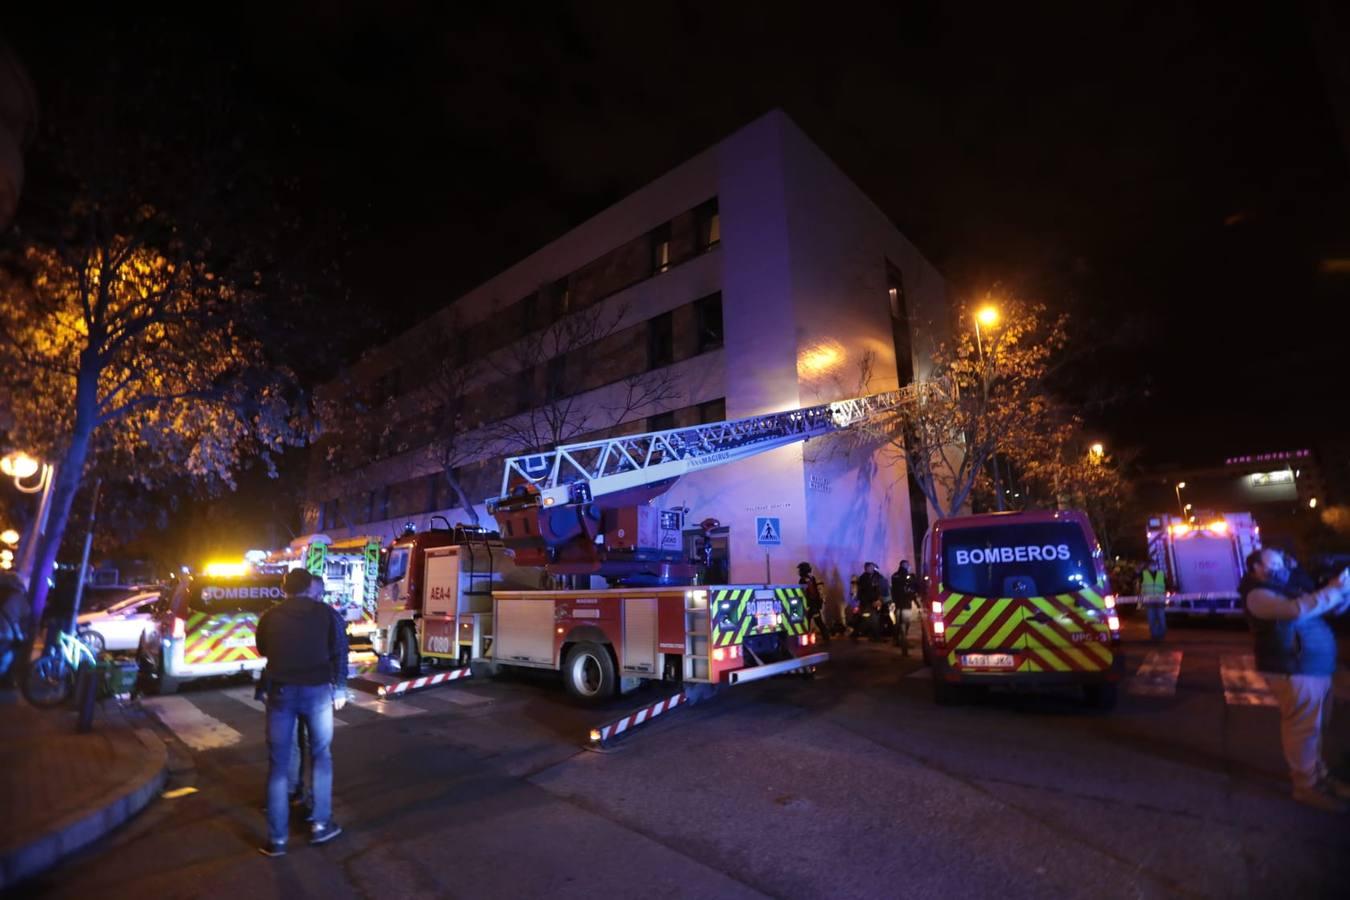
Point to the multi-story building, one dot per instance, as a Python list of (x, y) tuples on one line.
[(753, 278)]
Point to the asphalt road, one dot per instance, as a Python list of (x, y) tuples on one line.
[(853, 784)]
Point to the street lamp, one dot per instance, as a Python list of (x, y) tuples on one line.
[(20, 466), (9, 536), (987, 316), (1097, 451), (1180, 485)]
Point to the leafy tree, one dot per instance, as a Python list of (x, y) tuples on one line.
[(137, 291), (983, 400)]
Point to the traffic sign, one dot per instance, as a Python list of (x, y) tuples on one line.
[(768, 531)]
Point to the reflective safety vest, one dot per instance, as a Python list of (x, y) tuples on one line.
[(1152, 583)]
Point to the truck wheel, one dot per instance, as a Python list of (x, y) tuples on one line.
[(1101, 696), (588, 673), (405, 651)]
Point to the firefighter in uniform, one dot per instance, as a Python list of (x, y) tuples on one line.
[(1153, 594), (815, 600)]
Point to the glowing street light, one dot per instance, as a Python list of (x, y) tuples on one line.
[(1097, 450), (19, 465), (987, 316), (1180, 485), (9, 536)]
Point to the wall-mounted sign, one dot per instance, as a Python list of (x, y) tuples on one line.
[(1270, 479)]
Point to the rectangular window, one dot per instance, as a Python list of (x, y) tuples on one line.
[(709, 225), (709, 314), (712, 411), (382, 508), (660, 242), (528, 309), (369, 504), (562, 297), (1019, 560), (525, 393), (660, 341), (900, 332), (661, 421), (328, 515), (556, 378), (433, 492)]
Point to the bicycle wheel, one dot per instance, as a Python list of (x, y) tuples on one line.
[(48, 682)]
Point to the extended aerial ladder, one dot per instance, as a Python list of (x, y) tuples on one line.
[(585, 508)]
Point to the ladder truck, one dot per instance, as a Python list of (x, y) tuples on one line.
[(588, 510)]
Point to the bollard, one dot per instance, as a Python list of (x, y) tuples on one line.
[(86, 692)]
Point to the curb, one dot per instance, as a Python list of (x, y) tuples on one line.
[(97, 819)]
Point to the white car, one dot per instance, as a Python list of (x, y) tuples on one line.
[(119, 626)]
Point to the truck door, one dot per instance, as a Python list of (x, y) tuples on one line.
[(439, 603)]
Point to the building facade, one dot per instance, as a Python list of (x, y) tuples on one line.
[(755, 277)]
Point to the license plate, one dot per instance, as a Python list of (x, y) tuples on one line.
[(240, 642), (987, 660)]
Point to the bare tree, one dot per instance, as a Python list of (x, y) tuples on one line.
[(568, 355)]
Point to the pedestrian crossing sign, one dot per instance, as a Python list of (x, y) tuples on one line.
[(768, 533)]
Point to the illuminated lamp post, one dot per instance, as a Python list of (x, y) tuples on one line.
[(988, 317), (22, 467)]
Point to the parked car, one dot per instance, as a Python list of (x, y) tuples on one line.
[(119, 627)]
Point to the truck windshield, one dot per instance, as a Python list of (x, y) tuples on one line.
[(1017, 560), (398, 565)]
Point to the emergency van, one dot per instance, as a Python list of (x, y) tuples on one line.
[(1019, 598), (208, 628)]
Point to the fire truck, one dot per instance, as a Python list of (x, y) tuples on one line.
[(1204, 557), (349, 569), (587, 511)]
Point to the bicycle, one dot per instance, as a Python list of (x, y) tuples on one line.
[(49, 680)]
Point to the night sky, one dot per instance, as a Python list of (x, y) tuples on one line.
[(1173, 178)]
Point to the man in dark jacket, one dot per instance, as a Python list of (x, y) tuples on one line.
[(1296, 652), (815, 600), (305, 642), (872, 592), (904, 592)]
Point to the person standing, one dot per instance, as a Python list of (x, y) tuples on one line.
[(1296, 652), (872, 591), (1153, 595), (305, 642), (815, 600), (903, 595)]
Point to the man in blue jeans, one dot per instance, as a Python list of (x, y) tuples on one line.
[(305, 642)]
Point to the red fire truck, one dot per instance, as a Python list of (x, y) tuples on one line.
[(583, 512)]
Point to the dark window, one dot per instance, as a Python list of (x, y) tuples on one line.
[(900, 332), (556, 378), (433, 492), (370, 506), (712, 411), (328, 514), (397, 566), (660, 242), (529, 313), (525, 394), (709, 225), (382, 508), (660, 341), (661, 421), (709, 314), (561, 292), (1028, 560)]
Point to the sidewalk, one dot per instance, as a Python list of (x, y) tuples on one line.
[(60, 790)]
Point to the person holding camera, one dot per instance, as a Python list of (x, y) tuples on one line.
[(1296, 653), (305, 642)]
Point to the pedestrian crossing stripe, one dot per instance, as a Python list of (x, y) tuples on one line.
[(1243, 685), (1157, 675)]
